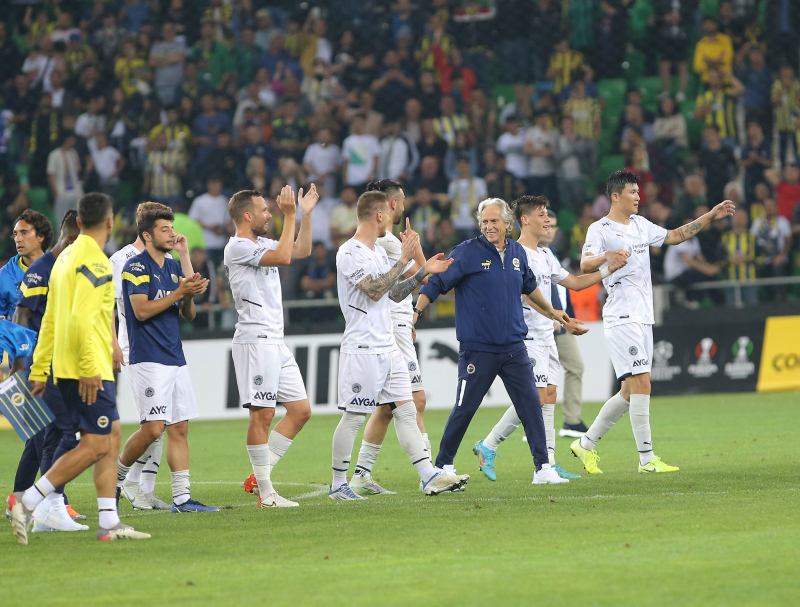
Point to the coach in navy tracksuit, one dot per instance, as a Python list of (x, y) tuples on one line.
[(489, 274)]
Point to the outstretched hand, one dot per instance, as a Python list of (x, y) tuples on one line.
[(286, 201), (309, 200), (437, 264), (723, 209)]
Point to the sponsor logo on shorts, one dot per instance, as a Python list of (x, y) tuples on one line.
[(470, 368), (18, 399), (161, 410), (265, 396), (356, 388), (258, 380), (416, 379), (102, 421), (149, 392), (642, 362), (412, 366), (362, 402), (633, 350), (540, 379), (705, 366)]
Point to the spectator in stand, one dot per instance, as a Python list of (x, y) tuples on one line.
[(266, 30), (544, 25), (10, 58), (786, 183), (522, 105), (786, 104), (276, 60), (318, 277), (322, 161), (319, 86), (256, 146), (361, 154), (585, 111), (756, 206), (406, 21), (107, 162), (92, 120), (430, 144), (428, 95), (445, 238), (63, 98), (782, 28), (635, 122), (399, 155), (601, 205), (464, 194), (774, 237), (515, 44), (671, 138), (343, 217), (694, 196), (539, 147), (673, 23), (426, 216), (756, 157), (457, 79), (64, 175), (436, 42), (756, 78), (684, 265), (742, 257), (393, 87), (567, 157), (563, 64), (714, 51), (717, 105), (164, 172), (511, 145), (366, 106), (463, 147), (226, 160), (167, 58), (256, 174), (210, 210), (500, 183), (178, 133), (290, 134), (717, 162), (578, 234), (211, 56), (450, 121), (244, 58), (206, 127)]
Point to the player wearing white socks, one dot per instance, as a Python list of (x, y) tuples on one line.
[(531, 213), (372, 371), (140, 484), (628, 312), (402, 313), (266, 371)]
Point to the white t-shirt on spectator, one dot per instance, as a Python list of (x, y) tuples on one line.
[(360, 152), (323, 159), (541, 166), (105, 162), (213, 210), (511, 147), (674, 265), (65, 168)]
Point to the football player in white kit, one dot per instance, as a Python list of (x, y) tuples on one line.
[(402, 323), (140, 484), (266, 371), (532, 216), (628, 312), (372, 370)]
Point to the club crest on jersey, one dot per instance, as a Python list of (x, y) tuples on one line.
[(174, 278), (18, 399), (258, 380), (412, 366), (102, 421), (356, 388), (149, 392), (486, 264), (470, 368), (633, 350), (516, 264)]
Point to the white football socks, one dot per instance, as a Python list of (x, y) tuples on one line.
[(503, 429), (344, 437), (549, 414), (150, 470), (35, 495), (259, 459), (180, 487), (107, 510), (427, 442), (367, 456), (610, 413), (278, 446), (405, 425), (640, 423)]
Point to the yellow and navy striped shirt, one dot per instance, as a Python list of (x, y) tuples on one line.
[(584, 113), (76, 328), (786, 104), (561, 67), (740, 244), (723, 111), (162, 183), (179, 134), (446, 127)]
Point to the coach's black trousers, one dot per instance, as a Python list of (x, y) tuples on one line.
[(476, 372)]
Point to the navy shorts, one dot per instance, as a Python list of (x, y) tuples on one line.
[(95, 419), (55, 402)]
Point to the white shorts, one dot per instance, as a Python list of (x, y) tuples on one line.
[(369, 380), (402, 335), (267, 374), (631, 348), (162, 392), (546, 365)]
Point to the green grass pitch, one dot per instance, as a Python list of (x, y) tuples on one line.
[(722, 531)]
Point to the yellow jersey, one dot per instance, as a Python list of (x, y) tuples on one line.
[(76, 328)]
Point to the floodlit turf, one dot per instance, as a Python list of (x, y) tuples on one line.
[(721, 531)]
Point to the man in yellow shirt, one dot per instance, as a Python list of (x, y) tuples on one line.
[(714, 51), (75, 338)]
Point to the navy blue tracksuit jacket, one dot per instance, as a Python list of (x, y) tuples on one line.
[(491, 330)]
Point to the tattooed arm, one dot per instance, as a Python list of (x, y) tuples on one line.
[(723, 209), (376, 287), (402, 289)]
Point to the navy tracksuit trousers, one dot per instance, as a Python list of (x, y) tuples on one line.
[(476, 373)]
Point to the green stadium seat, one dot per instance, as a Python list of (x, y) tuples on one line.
[(613, 90), (124, 194), (39, 199), (651, 88), (609, 164), (566, 220), (710, 8), (503, 93), (635, 61), (22, 172), (694, 128)]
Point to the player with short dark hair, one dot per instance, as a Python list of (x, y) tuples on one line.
[(156, 294), (628, 311), (76, 338), (33, 234)]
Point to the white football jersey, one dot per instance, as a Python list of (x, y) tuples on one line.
[(547, 270), (403, 311), (368, 323), (630, 290), (118, 261), (256, 291)]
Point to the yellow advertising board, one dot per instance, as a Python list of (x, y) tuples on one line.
[(780, 357)]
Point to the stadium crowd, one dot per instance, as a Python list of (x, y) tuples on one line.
[(185, 103)]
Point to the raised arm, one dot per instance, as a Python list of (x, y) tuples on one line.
[(678, 235), (282, 254), (302, 246)]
